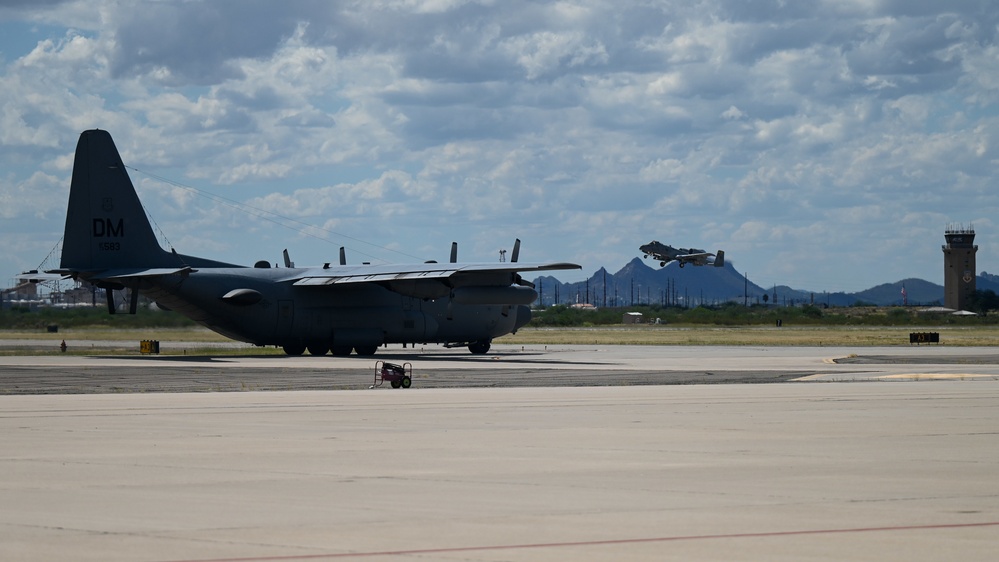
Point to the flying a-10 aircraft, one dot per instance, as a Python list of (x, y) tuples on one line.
[(108, 241), (666, 253)]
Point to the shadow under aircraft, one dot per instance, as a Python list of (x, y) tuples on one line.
[(341, 308)]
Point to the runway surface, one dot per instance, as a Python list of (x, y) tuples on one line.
[(506, 366), (627, 468)]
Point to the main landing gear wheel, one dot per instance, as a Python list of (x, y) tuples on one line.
[(341, 350), (294, 349), (479, 347), (317, 349), (365, 350)]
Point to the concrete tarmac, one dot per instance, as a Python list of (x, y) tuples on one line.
[(859, 470), (505, 366)]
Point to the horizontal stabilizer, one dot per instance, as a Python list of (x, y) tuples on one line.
[(35, 277), (110, 274)]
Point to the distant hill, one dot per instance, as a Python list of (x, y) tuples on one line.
[(636, 282), (987, 282), (917, 292), (639, 283)]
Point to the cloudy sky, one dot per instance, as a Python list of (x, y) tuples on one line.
[(824, 145)]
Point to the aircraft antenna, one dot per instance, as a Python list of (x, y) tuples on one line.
[(55, 249), (163, 236), (53, 285)]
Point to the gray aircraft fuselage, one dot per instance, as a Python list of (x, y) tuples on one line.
[(108, 241), (360, 315)]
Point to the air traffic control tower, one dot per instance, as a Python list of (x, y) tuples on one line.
[(959, 266)]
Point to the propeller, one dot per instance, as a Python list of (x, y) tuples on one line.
[(454, 252)]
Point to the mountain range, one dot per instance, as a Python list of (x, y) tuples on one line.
[(638, 283)]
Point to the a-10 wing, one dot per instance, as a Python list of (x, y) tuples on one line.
[(699, 258)]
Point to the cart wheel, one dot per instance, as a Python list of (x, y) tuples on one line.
[(407, 382), (396, 383)]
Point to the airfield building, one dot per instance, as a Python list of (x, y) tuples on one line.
[(959, 266)]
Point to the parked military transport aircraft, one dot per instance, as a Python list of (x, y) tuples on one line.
[(666, 253), (108, 241)]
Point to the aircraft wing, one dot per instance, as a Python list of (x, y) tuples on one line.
[(695, 257), (434, 280), (703, 258), (698, 258), (665, 257), (468, 274)]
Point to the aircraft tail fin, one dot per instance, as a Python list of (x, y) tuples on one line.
[(720, 259), (106, 226)]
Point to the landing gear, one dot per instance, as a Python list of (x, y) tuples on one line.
[(341, 350), (366, 350), (317, 349), (294, 349), (479, 347)]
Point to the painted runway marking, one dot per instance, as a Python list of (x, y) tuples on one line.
[(838, 377), (601, 542), (933, 376)]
